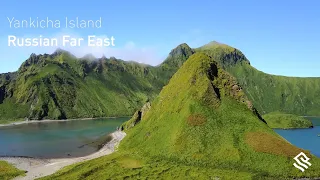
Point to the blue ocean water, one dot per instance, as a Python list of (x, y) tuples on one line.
[(57, 139), (307, 139)]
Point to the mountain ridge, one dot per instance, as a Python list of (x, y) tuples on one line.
[(56, 86), (200, 126), (117, 87)]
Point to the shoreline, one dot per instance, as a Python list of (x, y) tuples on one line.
[(293, 128), (310, 116), (38, 167), (56, 120)]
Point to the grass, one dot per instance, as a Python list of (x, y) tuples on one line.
[(11, 112), (5, 121), (7, 171), (268, 93), (196, 120), (60, 86), (201, 126), (266, 143), (286, 121), (117, 166), (271, 93)]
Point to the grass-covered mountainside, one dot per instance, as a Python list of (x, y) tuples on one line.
[(8, 171), (60, 86), (201, 126), (269, 93), (286, 121)]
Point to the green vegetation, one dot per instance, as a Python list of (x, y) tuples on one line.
[(278, 93), (7, 171), (269, 93), (136, 118), (201, 126), (119, 166), (6, 121), (60, 86), (286, 121)]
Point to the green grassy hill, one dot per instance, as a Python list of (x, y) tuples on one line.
[(268, 93), (286, 121), (201, 126), (60, 86)]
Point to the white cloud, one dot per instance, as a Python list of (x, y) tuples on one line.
[(130, 51)]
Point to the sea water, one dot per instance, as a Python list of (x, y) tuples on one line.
[(307, 139), (58, 139)]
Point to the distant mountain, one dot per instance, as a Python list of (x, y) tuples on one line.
[(268, 93), (201, 126), (59, 86)]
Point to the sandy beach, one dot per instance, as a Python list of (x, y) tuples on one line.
[(37, 168)]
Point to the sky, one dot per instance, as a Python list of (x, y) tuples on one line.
[(278, 37)]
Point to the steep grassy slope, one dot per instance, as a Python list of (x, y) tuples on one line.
[(60, 86), (7, 171), (201, 126), (268, 93), (286, 121)]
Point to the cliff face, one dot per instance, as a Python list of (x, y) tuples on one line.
[(136, 118)]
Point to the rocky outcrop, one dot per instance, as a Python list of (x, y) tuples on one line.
[(2, 94), (136, 118), (221, 79)]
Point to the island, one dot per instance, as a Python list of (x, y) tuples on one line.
[(279, 120)]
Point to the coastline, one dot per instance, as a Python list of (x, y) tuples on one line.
[(56, 120), (37, 168), (293, 128), (310, 116)]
